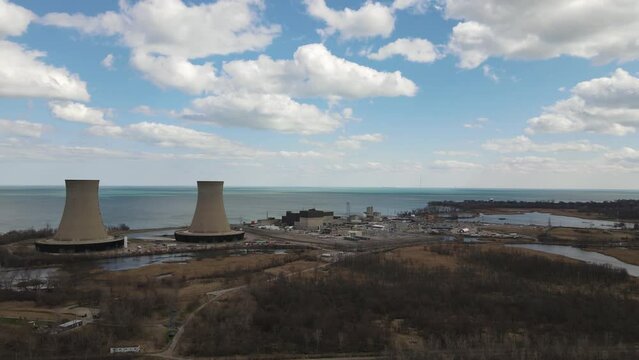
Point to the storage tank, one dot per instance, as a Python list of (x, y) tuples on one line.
[(209, 222)]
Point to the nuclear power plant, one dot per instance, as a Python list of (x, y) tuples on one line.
[(209, 221), (81, 228)]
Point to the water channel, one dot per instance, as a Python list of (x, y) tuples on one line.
[(583, 255)]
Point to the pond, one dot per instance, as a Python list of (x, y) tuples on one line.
[(541, 219), (583, 255), (135, 262), (12, 277)]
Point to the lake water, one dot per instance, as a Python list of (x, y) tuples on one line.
[(151, 207), (541, 219), (578, 254)]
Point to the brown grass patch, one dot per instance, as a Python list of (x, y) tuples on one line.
[(573, 234), (630, 256), (424, 256), (290, 268)]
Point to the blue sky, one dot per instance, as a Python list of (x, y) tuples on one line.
[(448, 93)]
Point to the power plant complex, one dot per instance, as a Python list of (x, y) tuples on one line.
[(81, 228), (209, 221)]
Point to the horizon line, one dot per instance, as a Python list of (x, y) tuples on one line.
[(345, 187)]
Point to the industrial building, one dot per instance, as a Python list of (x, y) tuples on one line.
[(81, 228), (209, 220), (310, 219)]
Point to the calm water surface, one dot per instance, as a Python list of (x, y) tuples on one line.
[(135, 262), (578, 254), (151, 207), (541, 219)]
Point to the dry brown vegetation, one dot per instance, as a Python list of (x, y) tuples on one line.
[(630, 256), (136, 306), (486, 302)]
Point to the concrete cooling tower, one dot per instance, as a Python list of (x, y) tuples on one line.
[(81, 228), (209, 221)]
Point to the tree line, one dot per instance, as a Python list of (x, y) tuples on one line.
[(618, 209)]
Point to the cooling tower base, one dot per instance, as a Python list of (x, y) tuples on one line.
[(65, 246), (187, 236)]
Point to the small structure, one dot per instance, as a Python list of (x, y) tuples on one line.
[(209, 221), (125, 349), (372, 215), (69, 325), (81, 228)]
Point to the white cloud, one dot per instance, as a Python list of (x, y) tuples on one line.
[(624, 154), (14, 19), (420, 6), (412, 49), (107, 62), (263, 111), (476, 124), (625, 159), (173, 28), (172, 136), (372, 19), (315, 72), (525, 144), (602, 30), (376, 166), (455, 165), (16, 149), (356, 141), (176, 72), (456, 153), (212, 145), (537, 164), (177, 136), (144, 110), (608, 105), (260, 93), (490, 73), (164, 35), (106, 130), (77, 112), (21, 128), (22, 74)]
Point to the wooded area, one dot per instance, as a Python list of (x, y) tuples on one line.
[(496, 301)]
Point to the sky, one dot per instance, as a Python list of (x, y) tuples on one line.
[(403, 93)]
